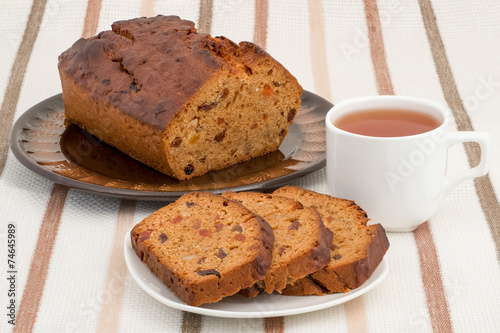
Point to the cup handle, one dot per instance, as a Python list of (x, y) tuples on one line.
[(483, 139)]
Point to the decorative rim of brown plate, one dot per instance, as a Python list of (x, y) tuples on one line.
[(65, 154)]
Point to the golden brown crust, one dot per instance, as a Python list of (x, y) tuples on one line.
[(204, 247), (357, 248)]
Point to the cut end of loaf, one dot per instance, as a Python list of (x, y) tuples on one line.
[(242, 112)]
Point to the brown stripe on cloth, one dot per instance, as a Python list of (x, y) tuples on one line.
[(191, 322), (206, 13), (487, 197), (274, 325), (30, 300), (16, 78), (260, 27), (40, 262), (429, 263), (91, 18), (117, 271), (431, 279), (377, 49), (47, 235)]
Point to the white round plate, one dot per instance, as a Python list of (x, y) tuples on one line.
[(237, 306)]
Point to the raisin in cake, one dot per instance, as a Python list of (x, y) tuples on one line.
[(204, 247), (301, 241), (177, 100), (357, 248)]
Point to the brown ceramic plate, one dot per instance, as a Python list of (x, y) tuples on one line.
[(68, 155)]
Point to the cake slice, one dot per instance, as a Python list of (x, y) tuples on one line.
[(357, 248), (204, 247), (301, 241)]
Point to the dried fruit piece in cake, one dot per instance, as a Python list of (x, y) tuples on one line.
[(301, 241), (204, 247), (357, 248)]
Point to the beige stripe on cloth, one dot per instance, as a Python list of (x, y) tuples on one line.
[(148, 8), (16, 78), (273, 324), (484, 188), (117, 270), (47, 235), (355, 310), (318, 45)]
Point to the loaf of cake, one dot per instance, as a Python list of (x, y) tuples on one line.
[(301, 241), (204, 247), (357, 248), (180, 101)]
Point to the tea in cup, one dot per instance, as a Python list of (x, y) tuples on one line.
[(389, 155)]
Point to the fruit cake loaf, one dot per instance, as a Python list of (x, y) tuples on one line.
[(357, 248), (204, 247), (301, 241), (177, 100)]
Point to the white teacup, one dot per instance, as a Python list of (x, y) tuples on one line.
[(398, 181)]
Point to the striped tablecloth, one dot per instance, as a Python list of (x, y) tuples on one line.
[(445, 276)]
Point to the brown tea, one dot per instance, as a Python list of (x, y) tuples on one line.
[(387, 122)]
